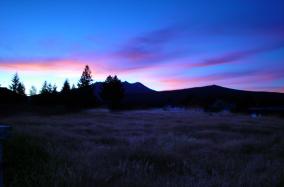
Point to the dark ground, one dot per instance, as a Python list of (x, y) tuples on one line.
[(172, 147)]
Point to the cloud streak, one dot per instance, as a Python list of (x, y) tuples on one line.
[(237, 56), (41, 65), (158, 54), (239, 79), (151, 48)]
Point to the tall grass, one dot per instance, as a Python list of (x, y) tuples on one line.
[(144, 148)]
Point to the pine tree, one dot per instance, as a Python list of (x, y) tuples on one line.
[(49, 88), (15, 83), (21, 89), (54, 89), (73, 87), (17, 86), (44, 88), (86, 78), (66, 87), (112, 91), (33, 91)]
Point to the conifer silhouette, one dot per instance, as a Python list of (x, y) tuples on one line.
[(86, 78)]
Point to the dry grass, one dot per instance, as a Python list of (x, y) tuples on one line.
[(144, 148)]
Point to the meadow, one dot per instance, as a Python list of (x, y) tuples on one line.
[(144, 148)]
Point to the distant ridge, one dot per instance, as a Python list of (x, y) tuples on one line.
[(207, 96), (217, 87), (137, 87), (137, 95), (129, 88)]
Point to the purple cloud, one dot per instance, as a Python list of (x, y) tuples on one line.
[(151, 48), (236, 56)]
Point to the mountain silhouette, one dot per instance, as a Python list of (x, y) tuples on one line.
[(207, 97), (129, 88), (137, 95), (134, 88)]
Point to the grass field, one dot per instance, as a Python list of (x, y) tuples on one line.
[(97, 148)]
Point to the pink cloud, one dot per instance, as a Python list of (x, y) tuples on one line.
[(41, 65), (100, 67), (150, 48)]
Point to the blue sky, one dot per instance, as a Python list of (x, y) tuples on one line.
[(165, 44)]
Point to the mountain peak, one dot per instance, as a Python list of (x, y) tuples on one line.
[(137, 87), (215, 86), (129, 88)]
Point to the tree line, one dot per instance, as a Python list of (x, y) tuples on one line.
[(112, 91)]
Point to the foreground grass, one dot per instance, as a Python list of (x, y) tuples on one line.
[(144, 148)]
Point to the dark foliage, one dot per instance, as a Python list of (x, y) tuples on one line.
[(17, 86), (112, 92), (10, 97), (11, 102), (81, 97), (15, 83), (70, 98), (86, 78), (54, 89), (66, 87), (21, 89), (46, 88), (124, 95), (33, 91)]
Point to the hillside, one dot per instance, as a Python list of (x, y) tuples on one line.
[(129, 88), (213, 98), (207, 96)]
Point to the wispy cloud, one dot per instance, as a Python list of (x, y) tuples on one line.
[(265, 88), (239, 79), (41, 65), (236, 56), (156, 48), (151, 48), (158, 55)]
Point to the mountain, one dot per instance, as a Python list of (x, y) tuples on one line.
[(136, 88), (212, 98), (129, 88), (209, 97)]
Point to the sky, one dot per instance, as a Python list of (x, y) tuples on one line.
[(164, 44)]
